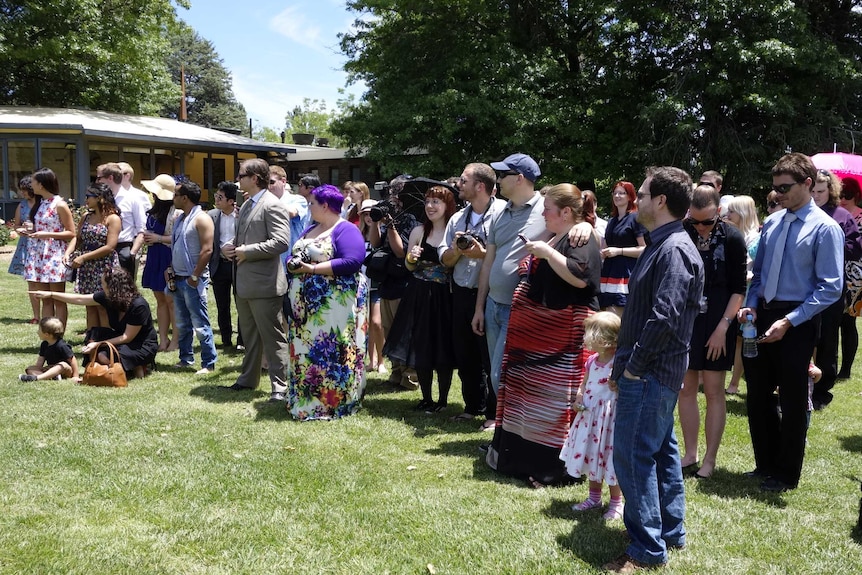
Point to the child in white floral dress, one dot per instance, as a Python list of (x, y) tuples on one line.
[(589, 446)]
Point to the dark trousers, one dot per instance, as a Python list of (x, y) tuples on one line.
[(222, 282), (127, 261), (471, 355), (849, 343), (827, 352), (778, 439)]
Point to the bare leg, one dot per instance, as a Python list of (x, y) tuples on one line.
[(375, 333), (689, 416), (716, 416), (61, 311), (163, 317), (174, 343), (47, 303), (736, 374), (50, 373), (34, 301)]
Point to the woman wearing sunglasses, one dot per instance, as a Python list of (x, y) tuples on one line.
[(713, 339)]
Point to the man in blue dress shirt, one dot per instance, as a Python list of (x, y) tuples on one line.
[(798, 273)]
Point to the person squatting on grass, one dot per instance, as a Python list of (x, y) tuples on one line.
[(589, 446), (56, 359)]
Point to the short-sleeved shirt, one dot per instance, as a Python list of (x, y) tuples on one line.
[(503, 234), (56, 352), (466, 270), (137, 314)]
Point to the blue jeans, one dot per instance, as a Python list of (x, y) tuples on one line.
[(496, 325), (646, 459), (190, 309)]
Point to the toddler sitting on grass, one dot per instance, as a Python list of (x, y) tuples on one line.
[(56, 359)]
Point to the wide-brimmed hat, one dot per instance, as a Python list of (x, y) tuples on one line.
[(162, 186), (367, 205)]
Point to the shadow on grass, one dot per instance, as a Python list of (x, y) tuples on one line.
[(851, 443), (218, 394), (736, 406), (727, 485), (591, 539)]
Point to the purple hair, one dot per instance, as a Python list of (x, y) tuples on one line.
[(329, 196)]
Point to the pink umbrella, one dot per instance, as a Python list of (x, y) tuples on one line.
[(841, 164)]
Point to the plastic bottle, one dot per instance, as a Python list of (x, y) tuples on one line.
[(749, 337)]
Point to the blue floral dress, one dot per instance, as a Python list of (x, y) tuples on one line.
[(327, 331), (16, 266), (89, 277), (44, 263)]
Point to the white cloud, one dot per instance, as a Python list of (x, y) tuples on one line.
[(293, 25)]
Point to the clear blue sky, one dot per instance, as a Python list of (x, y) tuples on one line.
[(277, 52)]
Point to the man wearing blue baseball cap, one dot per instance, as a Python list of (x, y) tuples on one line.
[(498, 277)]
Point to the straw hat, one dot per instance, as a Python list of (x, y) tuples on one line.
[(162, 187)]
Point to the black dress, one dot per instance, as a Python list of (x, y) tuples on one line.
[(421, 332), (724, 264), (141, 350)]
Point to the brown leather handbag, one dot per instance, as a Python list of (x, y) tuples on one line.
[(111, 375)]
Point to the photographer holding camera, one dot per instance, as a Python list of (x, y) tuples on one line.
[(391, 234), (466, 234)]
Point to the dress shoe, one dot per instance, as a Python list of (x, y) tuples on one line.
[(775, 486), (236, 387), (276, 397), (755, 474)]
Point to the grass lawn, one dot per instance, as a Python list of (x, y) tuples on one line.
[(174, 475)]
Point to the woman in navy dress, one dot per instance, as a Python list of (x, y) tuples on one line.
[(622, 245), (157, 237)]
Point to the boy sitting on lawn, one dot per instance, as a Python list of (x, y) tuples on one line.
[(56, 358)]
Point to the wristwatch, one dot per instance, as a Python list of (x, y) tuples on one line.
[(194, 278)]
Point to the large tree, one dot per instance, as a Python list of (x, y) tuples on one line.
[(599, 89), (209, 92), (99, 54)]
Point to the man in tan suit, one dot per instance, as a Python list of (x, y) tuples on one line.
[(262, 234)]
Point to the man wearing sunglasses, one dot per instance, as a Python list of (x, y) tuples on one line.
[(798, 273)]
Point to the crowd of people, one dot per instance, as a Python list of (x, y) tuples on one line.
[(576, 339)]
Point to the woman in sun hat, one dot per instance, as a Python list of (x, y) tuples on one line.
[(157, 236)]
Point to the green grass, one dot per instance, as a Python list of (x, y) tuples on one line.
[(173, 475)]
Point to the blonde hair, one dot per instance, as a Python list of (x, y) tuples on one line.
[(566, 196), (833, 185), (52, 326), (747, 210), (601, 330)]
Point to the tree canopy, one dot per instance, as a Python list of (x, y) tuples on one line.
[(209, 88), (99, 54), (601, 89)]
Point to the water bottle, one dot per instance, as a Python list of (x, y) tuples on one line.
[(749, 337)]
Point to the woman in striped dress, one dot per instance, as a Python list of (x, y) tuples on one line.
[(543, 364)]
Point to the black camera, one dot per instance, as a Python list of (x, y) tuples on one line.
[(465, 240), (381, 186), (295, 262), (381, 210)]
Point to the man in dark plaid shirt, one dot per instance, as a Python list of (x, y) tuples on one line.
[(665, 295)]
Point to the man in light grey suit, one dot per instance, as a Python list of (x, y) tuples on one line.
[(262, 234)]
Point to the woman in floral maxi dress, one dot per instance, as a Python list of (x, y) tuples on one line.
[(327, 323)]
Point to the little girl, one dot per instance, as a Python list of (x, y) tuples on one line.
[(589, 446)]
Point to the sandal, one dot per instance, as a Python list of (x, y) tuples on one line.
[(613, 513), (490, 425), (463, 417), (535, 484)]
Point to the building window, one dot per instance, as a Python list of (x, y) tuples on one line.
[(333, 176), (356, 173), (218, 172)]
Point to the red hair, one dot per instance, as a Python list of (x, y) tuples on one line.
[(448, 198), (630, 192)]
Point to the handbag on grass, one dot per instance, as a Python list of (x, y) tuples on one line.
[(111, 375)]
